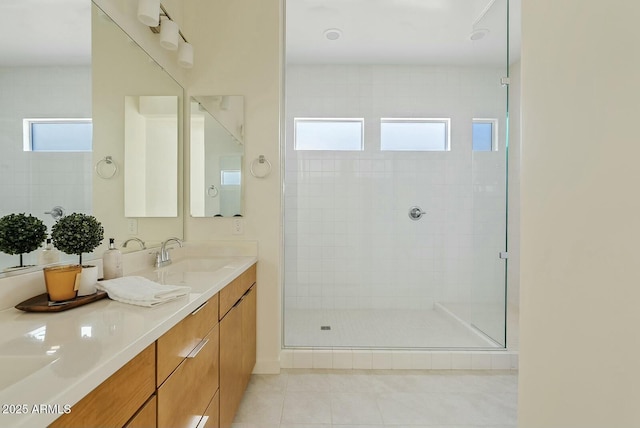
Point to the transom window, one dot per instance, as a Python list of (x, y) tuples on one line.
[(328, 134), (408, 134), (57, 135)]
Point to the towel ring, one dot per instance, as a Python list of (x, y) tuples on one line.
[(108, 160), (261, 160), (212, 191)]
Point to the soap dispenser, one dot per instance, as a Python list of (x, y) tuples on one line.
[(49, 254), (112, 262)]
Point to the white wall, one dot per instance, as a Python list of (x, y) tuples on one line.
[(580, 230), (237, 45), (349, 241)]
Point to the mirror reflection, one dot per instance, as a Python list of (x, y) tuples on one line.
[(151, 156), (45, 80), (73, 75), (217, 150)]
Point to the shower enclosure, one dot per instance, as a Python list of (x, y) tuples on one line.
[(395, 174)]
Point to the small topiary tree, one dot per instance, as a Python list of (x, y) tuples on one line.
[(77, 233), (21, 233)]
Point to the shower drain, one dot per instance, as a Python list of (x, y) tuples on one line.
[(325, 327)]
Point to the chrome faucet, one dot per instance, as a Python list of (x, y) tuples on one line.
[(138, 240), (163, 258)]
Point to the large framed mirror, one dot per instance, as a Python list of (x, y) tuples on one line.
[(82, 69), (217, 151)]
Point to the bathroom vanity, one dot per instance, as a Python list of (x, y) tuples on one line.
[(185, 363)]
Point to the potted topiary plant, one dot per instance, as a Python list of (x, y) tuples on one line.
[(76, 234), (20, 234)]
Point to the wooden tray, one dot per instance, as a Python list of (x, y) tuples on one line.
[(41, 303)]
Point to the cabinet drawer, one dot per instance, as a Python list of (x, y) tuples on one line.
[(231, 377), (146, 417), (210, 418), (248, 306), (230, 294), (178, 342), (184, 396), (118, 398)]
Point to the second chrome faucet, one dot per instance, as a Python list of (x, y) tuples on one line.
[(163, 257)]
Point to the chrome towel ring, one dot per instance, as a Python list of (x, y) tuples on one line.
[(212, 191), (266, 170), (103, 163)]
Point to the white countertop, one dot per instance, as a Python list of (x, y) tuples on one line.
[(58, 358)]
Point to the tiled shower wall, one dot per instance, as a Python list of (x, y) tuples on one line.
[(349, 243), (32, 182)]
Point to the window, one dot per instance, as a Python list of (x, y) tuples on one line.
[(485, 135), (57, 135), (328, 134), (415, 134), (229, 177)]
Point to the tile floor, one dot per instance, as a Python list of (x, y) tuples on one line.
[(301, 398)]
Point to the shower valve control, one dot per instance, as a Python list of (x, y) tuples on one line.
[(416, 213)]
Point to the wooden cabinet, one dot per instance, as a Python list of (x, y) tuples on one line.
[(188, 367), (118, 398), (192, 376), (146, 417), (177, 343), (184, 397), (231, 387), (237, 348), (248, 307), (233, 292)]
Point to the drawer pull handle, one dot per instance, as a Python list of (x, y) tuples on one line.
[(199, 308), (203, 421), (198, 348)]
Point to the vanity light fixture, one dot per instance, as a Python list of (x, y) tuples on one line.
[(149, 12), (169, 34), (152, 14), (185, 54)]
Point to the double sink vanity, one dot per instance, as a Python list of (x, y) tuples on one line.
[(185, 363)]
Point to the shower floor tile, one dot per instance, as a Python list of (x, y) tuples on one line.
[(379, 328)]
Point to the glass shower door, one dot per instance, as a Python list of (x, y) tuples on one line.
[(490, 142)]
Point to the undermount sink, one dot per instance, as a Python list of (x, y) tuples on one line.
[(196, 265), (18, 367)]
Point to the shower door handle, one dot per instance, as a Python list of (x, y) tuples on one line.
[(416, 213)]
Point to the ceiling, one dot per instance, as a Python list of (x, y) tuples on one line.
[(45, 32), (401, 31)]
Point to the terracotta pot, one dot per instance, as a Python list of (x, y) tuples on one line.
[(61, 282)]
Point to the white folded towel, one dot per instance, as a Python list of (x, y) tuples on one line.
[(137, 290)]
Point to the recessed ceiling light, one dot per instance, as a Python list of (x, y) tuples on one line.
[(478, 34), (332, 34)]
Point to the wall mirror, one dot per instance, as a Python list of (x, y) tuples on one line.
[(217, 150), (151, 156), (71, 61)]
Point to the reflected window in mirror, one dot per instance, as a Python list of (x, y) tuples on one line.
[(57, 135)]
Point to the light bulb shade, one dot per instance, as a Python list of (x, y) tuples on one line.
[(185, 55), (169, 35), (149, 12)]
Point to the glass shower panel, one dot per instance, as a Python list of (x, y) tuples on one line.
[(489, 184), (359, 270)]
